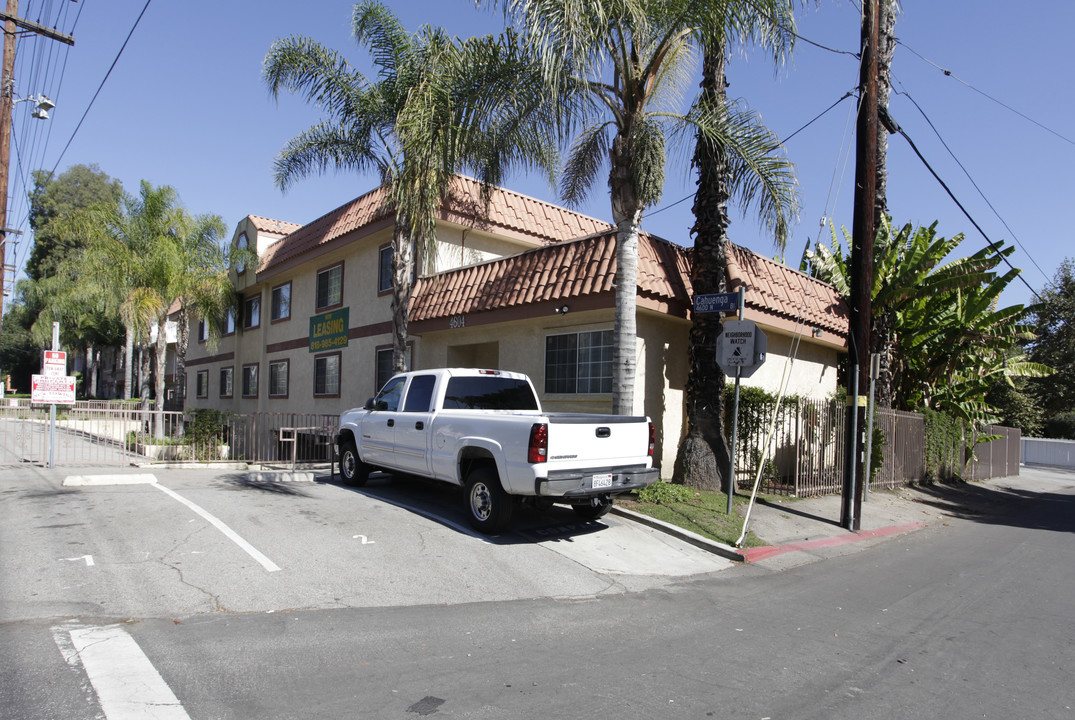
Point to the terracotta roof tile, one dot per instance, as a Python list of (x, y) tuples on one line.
[(509, 213), (276, 227), (587, 266), (776, 288)]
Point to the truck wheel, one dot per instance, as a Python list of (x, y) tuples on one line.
[(352, 469), (488, 506), (597, 507)]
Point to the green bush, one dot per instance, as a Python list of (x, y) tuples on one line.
[(1061, 427), (945, 446), (207, 427), (665, 493)]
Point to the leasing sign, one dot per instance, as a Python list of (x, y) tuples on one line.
[(328, 331)]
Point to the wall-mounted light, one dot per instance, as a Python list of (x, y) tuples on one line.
[(816, 332), (562, 310)]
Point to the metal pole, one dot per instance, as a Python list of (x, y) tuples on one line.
[(875, 370), (52, 407), (735, 413)]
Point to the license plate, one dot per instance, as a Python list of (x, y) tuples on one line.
[(600, 481)]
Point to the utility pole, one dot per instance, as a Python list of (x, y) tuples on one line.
[(7, 93), (12, 22), (863, 231)]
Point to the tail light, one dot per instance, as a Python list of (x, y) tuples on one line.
[(652, 439), (538, 447)]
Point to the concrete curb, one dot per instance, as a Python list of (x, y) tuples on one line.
[(725, 551)]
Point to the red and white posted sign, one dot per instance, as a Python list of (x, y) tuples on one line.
[(49, 390)]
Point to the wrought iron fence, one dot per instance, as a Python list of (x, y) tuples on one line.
[(122, 433)]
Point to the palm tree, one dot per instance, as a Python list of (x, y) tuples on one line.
[(752, 170), (619, 69), (154, 255), (438, 106)]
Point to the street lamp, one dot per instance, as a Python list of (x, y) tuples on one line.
[(43, 105)]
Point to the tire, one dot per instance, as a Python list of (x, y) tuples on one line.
[(590, 511), (352, 469), (488, 506)]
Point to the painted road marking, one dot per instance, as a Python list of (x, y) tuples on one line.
[(86, 480), (87, 558), (127, 685), (228, 532)]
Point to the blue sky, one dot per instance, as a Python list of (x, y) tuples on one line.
[(185, 105)]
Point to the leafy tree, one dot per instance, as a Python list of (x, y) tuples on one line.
[(438, 106), (943, 341), (52, 199), (20, 356), (620, 68), (1054, 345)]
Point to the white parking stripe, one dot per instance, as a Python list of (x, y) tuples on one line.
[(126, 683), (231, 534)]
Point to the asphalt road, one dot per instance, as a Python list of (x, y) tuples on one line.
[(126, 599)]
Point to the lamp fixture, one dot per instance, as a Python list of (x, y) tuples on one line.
[(562, 310), (43, 105)]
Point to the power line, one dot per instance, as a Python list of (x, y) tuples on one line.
[(948, 190), (986, 95), (101, 86), (972, 182)]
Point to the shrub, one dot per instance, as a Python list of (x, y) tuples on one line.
[(665, 493), (1061, 427), (207, 427)]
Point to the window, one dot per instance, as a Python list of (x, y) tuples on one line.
[(202, 383), (384, 365), (229, 322), (420, 394), (281, 302), (488, 393), (278, 378), (384, 276), (250, 380), (327, 375), (203, 331), (252, 312), (388, 398), (227, 382), (330, 287), (579, 363), (243, 244)]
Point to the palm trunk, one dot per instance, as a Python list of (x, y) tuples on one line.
[(627, 214), (182, 339), (402, 287), (158, 379), (128, 364), (703, 459)]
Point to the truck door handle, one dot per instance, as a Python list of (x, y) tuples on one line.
[(604, 432), (419, 425), (391, 423)]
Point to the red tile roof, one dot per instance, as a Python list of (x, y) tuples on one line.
[(778, 290), (509, 214), (587, 267), (276, 227)]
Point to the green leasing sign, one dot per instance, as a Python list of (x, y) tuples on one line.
[(328, 331)]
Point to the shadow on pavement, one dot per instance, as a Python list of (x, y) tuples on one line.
[(1001, 504), (444, 504)]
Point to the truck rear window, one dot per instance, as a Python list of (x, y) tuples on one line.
[(489, 393)]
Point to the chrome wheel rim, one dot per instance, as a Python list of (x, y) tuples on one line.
[(480, 502)]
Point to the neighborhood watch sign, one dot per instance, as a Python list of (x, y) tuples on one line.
[(328, 331)]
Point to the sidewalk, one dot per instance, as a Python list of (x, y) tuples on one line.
[(802, 531)]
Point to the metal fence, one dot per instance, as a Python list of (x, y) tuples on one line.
[(805, 456), (121, 433), (1046, 451)]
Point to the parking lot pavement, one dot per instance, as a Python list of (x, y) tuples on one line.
[(205, 541)]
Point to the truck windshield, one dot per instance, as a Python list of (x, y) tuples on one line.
[(489, 393)]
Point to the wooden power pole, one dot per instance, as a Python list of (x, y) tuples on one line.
[(7, 99), (863, 231)]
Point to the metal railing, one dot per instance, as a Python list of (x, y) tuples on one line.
[(121, 433)]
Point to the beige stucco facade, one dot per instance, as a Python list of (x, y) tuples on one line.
[(508, 338)]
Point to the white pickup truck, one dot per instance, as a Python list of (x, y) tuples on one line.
[(484, 430)]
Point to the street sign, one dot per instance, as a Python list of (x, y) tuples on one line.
[(716, 302), (54, 364), (48, 390), (741, 345)]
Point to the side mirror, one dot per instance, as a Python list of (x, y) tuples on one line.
[(368, 405)]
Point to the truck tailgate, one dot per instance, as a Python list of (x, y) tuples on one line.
[(597, 441)]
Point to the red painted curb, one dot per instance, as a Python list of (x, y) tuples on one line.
[(767, 551)]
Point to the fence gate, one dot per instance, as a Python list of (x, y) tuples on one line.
[(84, 435)]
